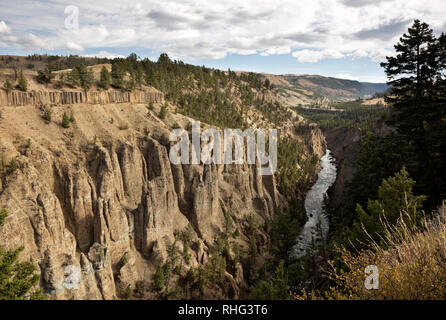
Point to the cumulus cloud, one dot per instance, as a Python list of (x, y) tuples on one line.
[(197, 30), (361, 3), (103, 54), (25, 41), (385, 31), (357, 54), (4, 28), (346, 76), (168, 20), (71, 46), (381, 53), (273, 51), (315, 56)]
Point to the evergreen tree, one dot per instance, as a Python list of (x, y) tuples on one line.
[(416, 75), (163, 112), (82, 76), (16, 278), (276, 289), (87, 79), (65, 120), (395, 195), (284, 232), (45, 76), (159, 278), (105, 80), (8, 86), (280, 288), (23, 84), (411, 74), (117, 75)]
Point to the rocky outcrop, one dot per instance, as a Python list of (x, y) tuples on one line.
[(83, 198), (19, 98)]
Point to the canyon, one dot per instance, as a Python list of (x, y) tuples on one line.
[(83, 199)]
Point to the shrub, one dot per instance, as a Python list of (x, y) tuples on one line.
[(65, 120), (163, 112), (45, 76), (12, 166), (8, 86), (123, 261), (47, 116), (128, 292), (159, 279), (3, 215)]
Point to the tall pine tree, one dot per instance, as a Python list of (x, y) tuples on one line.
[(418, 95)]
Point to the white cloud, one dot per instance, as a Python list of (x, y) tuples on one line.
[(347, 76), (273, 51), (380, 54), (26, 41), (71, 46), (359, 54), (4, 28), (103, 54), (315, 56), (195, 29)]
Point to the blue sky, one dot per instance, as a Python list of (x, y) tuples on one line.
[(338, 38)]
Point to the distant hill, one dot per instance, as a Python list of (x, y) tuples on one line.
[(309, 90)]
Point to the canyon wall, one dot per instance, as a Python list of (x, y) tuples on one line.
[(83, 198), (345, 145), (40, 97)]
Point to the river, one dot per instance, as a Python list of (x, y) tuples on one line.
[(315, 230)]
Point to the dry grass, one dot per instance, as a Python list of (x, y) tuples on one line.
[(413, 267)]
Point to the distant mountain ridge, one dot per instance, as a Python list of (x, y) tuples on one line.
[(310, 90), (336, 88)]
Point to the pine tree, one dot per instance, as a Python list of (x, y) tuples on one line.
[(416, 75), (16, 278), (163, 112), (87, 79), (276, 289), (45, 76), (8, 86), (117, 75), (81, 76), (65, 120), (395, 195), (159, 278), (280, 288), (411, 74), (23, 84), (105, 80)]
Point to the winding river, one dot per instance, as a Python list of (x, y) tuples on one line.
[(315, 230)]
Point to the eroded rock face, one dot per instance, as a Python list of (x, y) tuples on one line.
[(19, 98), (79, 205)]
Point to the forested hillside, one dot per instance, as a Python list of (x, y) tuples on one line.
[(393, 204)]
